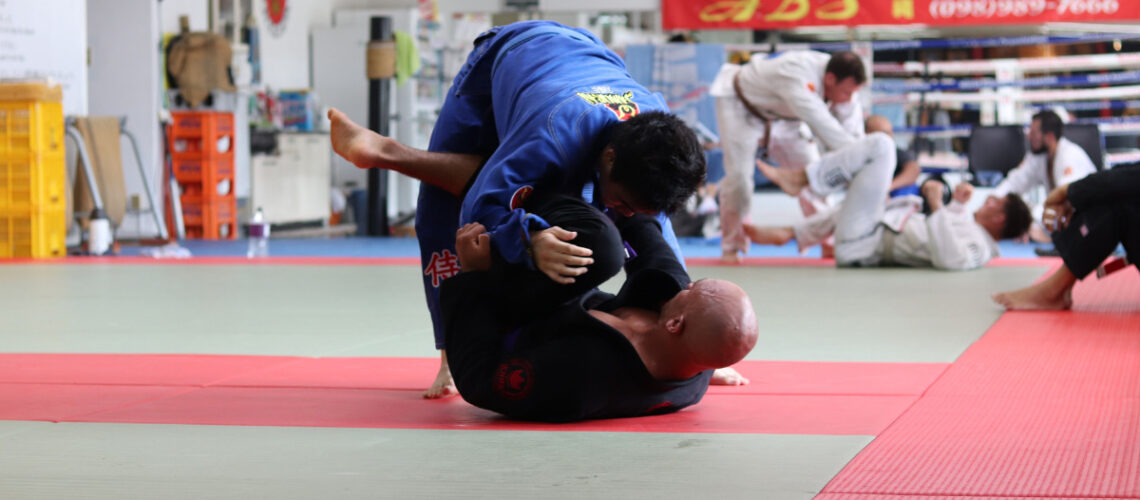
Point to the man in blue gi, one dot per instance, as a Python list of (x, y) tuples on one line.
[(549, 108)]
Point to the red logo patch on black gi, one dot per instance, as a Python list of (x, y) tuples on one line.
[(514, 379), (622, 105), (520, 196)]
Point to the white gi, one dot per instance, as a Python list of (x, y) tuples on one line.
[(1070, 164), (872, 231), (788, 89)]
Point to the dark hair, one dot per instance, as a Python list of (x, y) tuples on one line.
[(846, 65), (658, 158), (1050, 123), (1017, 217)]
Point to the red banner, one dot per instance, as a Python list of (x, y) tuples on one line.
[(784, 14)]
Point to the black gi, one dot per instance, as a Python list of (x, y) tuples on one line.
[(563, 364), (1107, 213)]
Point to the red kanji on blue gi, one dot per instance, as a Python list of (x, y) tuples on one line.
[(443, 265)]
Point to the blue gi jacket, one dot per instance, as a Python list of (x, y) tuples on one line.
[(555, 92)]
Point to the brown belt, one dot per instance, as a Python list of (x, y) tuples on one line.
[(755, 112)]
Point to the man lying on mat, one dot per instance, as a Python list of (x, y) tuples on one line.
[(1090, 218), (872, 231), (650, 349)]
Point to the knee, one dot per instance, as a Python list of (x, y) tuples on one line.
[(881, 144), (881, 149)]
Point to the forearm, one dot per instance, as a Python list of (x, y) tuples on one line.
[(448, 171), (907, 177), (934, 202)]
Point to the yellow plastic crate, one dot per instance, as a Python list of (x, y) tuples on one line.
[(31, 127), (33, 233), (32, 180)]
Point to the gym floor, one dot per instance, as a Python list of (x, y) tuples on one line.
[(300, 377)]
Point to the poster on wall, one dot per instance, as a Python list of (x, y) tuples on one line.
[(276, 13), (785, 14), (47, 40)]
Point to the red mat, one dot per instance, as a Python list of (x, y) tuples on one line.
[(1046, 404), (784, 397)]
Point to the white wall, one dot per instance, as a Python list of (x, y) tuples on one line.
[(599, 5), (171, 10), (123, 80), (447, 7), (285, 48), (46, 40)]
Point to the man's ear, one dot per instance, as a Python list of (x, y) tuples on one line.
[(829, 79), (676, 324), (608, 158)]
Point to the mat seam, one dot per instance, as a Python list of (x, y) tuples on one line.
[(895, 420)]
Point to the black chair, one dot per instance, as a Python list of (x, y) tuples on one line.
[(994, 151), (1088, 137)]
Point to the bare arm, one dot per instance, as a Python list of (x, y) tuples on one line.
[(908, 176), (932, 191)]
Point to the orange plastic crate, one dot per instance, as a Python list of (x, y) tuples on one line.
[(190, 170), (201, 134), (33, 233), (211, 218)]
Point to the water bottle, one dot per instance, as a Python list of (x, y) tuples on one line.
[(258, 236)]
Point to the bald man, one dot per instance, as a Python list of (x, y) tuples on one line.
[(648, 350)]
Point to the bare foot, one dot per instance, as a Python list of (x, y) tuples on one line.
[(360, 146), (727, 376), (1035, 298), (443, 386), (767, 235), (1038, 235), (732, 257), (791, 181)]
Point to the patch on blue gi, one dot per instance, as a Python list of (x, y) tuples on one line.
[(622, 105), (520, 196)]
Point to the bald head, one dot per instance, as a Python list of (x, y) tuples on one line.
[(717, 323), (878, 123)]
